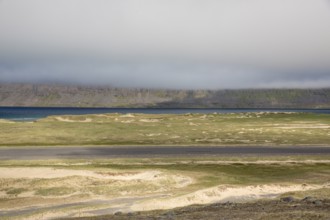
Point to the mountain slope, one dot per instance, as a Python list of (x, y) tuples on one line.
[(57, 95)]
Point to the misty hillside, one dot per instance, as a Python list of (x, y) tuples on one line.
[(88, 96)]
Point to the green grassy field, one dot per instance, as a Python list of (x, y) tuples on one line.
[(189, 129), (62, 188)]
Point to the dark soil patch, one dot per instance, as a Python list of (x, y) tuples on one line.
[(308, 208)]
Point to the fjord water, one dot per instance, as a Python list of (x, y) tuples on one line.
[(34, 113)]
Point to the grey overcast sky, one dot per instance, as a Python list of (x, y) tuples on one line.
[(189, 44)]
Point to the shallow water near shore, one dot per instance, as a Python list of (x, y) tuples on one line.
[(34, 113)]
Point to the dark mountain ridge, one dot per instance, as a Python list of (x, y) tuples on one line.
[(57, 95)]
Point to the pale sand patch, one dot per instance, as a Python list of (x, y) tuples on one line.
[(153, 135), (127, 122), (275, 113), (305, 126), (73, 213), (49, 173), (70, 120), (26, 194), (3, 194), (48, 215), (182, 181), (102, 115), (6, 121), (127, 116), (149, 120), (221, 194)]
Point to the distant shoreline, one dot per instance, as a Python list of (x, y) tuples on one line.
[(35, 113)]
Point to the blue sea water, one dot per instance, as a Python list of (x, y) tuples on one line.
[(34, 113)]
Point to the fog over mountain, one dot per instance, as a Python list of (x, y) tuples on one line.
[(181, 44)]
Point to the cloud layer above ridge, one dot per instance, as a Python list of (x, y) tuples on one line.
[(210, 44)]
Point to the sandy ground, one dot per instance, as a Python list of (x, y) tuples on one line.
[(63, 119), (69, 177), (49, 173), (159, 197), (156, 184)]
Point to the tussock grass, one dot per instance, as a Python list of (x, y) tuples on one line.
[(190, 129), (54, 191)]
